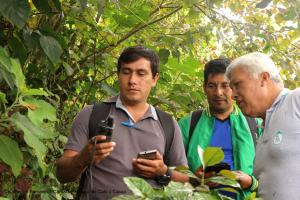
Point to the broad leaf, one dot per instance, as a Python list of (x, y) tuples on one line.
[(43, 6), (31, 137), (51, 48), (10, 154), (138, 186), (177, 190), (39, 111), (212, 156), (16, 11), (24, 123)]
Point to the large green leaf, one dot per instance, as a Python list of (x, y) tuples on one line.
[(177, 190), (212, 156), (138, 186), (39, 111), (10, 154), (32, 136), (52, 48), (25, 124), (16, 11)]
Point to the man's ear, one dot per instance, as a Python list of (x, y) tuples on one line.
[(265, 78), (155, 79)]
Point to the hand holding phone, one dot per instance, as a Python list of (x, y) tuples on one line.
[(149, 155)]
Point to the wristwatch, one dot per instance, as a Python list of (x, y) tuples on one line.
[(164, 180)]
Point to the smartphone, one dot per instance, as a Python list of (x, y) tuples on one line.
[(217, 167), (149, 155), (105, 127)]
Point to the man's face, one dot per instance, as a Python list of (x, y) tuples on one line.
[(136, 81), (218, 93), (246, 91)]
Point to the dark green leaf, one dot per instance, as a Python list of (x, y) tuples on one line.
[(18, 49), (11, 154), (51, 48), (43, 6), (82, 3), (163, 56), (16, 11), (263, 4)]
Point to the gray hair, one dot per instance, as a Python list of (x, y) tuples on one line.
[(255, 63)]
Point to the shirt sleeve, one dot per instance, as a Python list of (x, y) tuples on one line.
[(79, 135)]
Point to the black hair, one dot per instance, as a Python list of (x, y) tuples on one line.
[(216, 66), (134, 53)]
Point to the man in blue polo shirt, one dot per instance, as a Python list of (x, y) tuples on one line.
[(221, 125)]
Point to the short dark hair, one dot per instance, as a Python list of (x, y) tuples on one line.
[(134, 53), (216, 66)]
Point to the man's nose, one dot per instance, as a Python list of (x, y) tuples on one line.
[(132, 78)]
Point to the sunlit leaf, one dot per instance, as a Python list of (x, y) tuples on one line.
[(35, 92), (42, 111), (10, 154), (25, 124), (138, 186), (212, 156)]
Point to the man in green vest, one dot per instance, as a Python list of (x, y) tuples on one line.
[(223, 125)]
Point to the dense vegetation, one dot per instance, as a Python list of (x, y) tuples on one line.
[(57, 56)]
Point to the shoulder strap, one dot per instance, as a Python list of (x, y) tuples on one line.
[(253, 128), (167, 123), (194, 120), (100, 112)]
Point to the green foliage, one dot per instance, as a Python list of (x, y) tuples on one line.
[(10, 153), (57, 56)]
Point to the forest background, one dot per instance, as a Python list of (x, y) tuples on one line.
[(57, 56)]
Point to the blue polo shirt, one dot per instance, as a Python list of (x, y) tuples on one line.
[(221, 137)]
